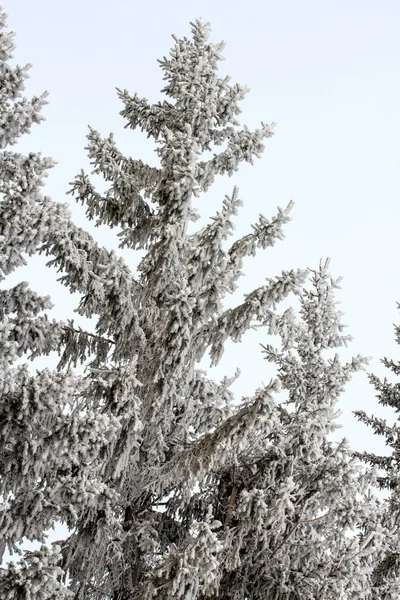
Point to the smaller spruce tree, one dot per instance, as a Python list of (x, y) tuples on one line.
[(386, 579)]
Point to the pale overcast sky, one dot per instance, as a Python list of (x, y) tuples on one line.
[(326, 72)]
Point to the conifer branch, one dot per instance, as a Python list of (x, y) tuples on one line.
[(300, 522), (79, 331)]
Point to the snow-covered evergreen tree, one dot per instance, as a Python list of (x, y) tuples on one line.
[(386, 577), (170, 488), (49, 440)]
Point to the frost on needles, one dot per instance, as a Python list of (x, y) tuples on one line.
[(170, 487)]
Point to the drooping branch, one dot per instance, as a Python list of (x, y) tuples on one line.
[(109, 288), (300, 522), (78, 345), (213, 450)]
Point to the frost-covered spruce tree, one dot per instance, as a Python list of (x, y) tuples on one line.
[(170, 488), (49, 438), (386, 579)]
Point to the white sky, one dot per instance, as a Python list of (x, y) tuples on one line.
[(326, 72)]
